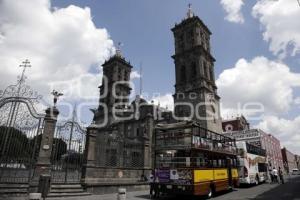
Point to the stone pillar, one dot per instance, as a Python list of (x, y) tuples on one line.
[(121, 130), (91, 146), (149, 143), (43, 165), (90, 154)]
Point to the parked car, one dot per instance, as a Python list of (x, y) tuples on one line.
[(295, 172)]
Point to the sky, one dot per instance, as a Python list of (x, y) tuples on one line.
[(256, 45)]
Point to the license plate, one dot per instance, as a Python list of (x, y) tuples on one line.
[(169, 186)]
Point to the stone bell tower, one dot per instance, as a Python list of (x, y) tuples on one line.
[(115, 88), (195, 80)]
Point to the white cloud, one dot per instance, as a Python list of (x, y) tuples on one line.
[(297, 101), (287, 131), (280, 22), (259, 80), (135, 74), (165, 101), (233, 10), (61, 43)]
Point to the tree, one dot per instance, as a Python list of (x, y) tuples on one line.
[(14, 144)]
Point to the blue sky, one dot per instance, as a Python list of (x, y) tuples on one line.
[(252, 41), (144, 29)]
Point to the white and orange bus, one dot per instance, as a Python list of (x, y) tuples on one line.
[(194, 161), (253, 164)]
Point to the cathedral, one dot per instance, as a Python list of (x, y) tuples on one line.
[(120, 144)]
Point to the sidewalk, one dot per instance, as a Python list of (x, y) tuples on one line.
[(237, 194), (139, 195)]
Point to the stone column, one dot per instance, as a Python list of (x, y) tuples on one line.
[(43, 165), (120, 156), (90, 154), (149, 143), (91, 146)]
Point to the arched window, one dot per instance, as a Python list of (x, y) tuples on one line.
[(193, 70), (207, 72), (211, 74), (182, 74)]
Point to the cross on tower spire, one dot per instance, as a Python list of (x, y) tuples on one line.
[(190, 13), (25, 64), (118, 50)]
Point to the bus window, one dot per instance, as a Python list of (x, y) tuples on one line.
[(262, 167), (215, 163), (219, 163)]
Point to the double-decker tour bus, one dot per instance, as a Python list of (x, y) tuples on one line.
[(194, 161), (253, 165)]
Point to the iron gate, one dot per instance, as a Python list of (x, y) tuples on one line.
[(67, 152), (20, 130)]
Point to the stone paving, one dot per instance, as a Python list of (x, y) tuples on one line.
[(254, 192), (237, 194)]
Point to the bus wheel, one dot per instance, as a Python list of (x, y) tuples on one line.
[(211, 192), (256, 180)]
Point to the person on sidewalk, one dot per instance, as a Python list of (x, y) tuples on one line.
[(151, 182), (280, 172), (156, 188), (271, 179), (275, 175)]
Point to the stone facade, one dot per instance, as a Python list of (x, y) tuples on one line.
[(236, 124), (289, 160), (195, 95), (297, 159), (119, 141), (120, 147)]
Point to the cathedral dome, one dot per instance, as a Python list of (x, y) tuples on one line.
[(139, 100)]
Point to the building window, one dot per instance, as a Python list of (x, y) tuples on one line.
[(181, 42), (211, 73), (111, 157), (181, 38), (192, 37), (136, 159), (201, 38), (182, 74), (119, 74), (126, 78), (207, 72), (193, 70)]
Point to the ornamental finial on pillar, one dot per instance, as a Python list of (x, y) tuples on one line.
[(56, 95)]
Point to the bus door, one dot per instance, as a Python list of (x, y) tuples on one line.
[(229, 168)]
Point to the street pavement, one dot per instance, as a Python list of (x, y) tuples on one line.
[(288, 191)]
